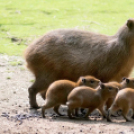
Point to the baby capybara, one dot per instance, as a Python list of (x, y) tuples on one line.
[(86, 97), (70, 53), (123, 101), (126, 83), (58, 91)]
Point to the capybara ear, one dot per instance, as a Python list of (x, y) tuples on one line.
[(130, 23), (102, 85), (127, 80), (83, 80)]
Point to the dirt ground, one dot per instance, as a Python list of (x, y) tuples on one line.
[(17, 118)]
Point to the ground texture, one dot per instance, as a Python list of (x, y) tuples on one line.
[(16, 117)]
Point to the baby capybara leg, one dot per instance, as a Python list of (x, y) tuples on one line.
[(48, 104), (125, 112), (112, 110), (90, 110), (69, 112), (56, 109)]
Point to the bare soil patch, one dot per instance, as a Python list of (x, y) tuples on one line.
[(17, 118)]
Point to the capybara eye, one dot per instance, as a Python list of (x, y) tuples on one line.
[(91, 81), (127, 80), (110, 88), (123, 78), (84, 80)]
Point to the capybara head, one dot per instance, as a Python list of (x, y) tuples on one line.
[(127, 82), (88, 80), (126, 33), (108, 89)]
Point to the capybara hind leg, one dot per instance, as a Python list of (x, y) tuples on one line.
[(90, 110), (70, 111), (47, 105), (37, 87), (32, 98), (75, 112), (125, 112), (56, 109)]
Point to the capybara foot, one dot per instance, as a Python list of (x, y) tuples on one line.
[(109, 120), (35, 107)]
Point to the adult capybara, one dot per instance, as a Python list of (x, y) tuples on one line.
[(70, 53), (86, 97), (126, 83), (58, 91), (123, 101)]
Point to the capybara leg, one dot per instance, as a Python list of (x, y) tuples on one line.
[(43, 112), (103, 113), (47, 105), (38, 86), (133, 114), (32, 98), (75, 112), (56, 109), (112, 110), (70, 111), (109, 115), (90, 110), (109, 103), (125, 112)]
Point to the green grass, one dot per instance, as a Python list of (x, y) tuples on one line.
[(28, 19)]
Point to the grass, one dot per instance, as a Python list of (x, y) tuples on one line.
[(27, 19)]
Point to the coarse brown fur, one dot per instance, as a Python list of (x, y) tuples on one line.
[(58, 91), (123, 101), (126, 83), (70, 53), (86, 97)]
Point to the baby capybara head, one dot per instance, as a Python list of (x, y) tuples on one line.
[(109, 89), (88, 80), (127, 82)]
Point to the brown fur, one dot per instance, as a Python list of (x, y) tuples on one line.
[(124, 101), (70, 53), (58, 91), (86, 97), (126, 83)]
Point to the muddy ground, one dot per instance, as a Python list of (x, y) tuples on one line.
[(17, 118)]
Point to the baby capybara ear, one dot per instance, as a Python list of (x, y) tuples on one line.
[(130, 23), (102, 85), (83, 80)]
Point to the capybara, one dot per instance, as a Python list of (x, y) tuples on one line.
[(86, 97), (58, 91), (124, 101), (70, 53), (126, 83)]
